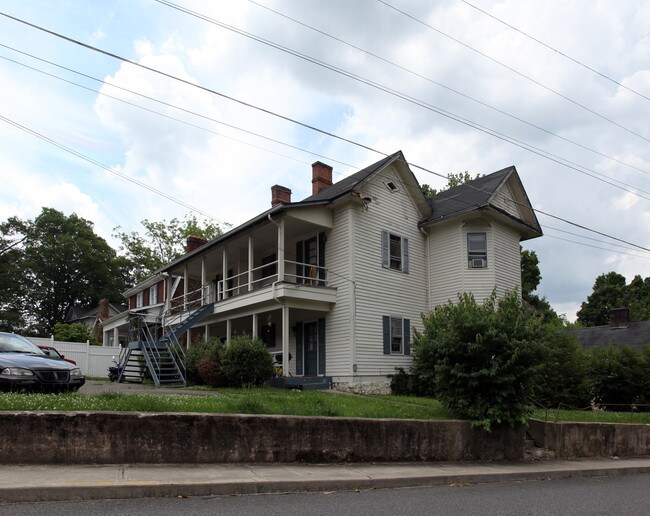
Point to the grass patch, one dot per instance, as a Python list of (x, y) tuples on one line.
[(592, 416), (235, 401)]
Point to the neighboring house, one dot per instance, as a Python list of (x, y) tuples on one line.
[(620, 331), (336, 282), (94, 316)]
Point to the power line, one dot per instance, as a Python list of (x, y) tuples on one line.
[(109, 169), (598, 247), (448, 88), (586, 237), (444, 113), (273, 114), (548, 88), (509, 139), (556, 50)]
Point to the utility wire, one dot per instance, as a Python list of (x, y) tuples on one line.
[(448, 88), (527, 77), (109, 169), (566, 56), (505, 138), (115, 56), (598, 247), (509, 139)]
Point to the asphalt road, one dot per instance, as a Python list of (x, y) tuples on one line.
[(624, 495)]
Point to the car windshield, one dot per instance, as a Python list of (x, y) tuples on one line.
[(10, 343)]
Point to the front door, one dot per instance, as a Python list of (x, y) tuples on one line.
[(310, 343)]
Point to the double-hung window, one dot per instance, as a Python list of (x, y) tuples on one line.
[(153, 295), (397, 335), (394, 252), (476, 250), (139, 299)]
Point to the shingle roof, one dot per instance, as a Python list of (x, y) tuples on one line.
[(347, 185), (467, 196), (636, 335)]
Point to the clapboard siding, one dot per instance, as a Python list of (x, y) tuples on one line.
[(339, 320), (504, 200), (507, 260), (480, 282), (381, 291), (446, 262)]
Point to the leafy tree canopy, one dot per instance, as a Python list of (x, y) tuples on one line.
[(161, 243), (13, 233), (453, 180), (611, 291), (74, 333), (64, 263)]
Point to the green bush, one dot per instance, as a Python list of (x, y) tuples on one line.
[(246, 362), (619, 375), (483, 358), (203, 362), (401, 383), (77, 332), (563, 375)]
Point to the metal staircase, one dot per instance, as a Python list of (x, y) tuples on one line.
[(154, 348)]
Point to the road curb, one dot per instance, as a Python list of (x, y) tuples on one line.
[(151, 489)]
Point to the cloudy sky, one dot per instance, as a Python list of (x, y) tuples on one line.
[(456, 86)]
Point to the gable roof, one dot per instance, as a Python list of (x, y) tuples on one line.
[(481, 193), (635, 335)]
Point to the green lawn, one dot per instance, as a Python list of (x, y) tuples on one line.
[(279, 401)]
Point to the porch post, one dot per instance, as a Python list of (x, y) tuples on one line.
[(224, 284), (116, 336), (285, 341), (281, 250), (185, 286), (207, 332), (168, 293), (228, 330), (204, 289), (254, 325), (250, 263)]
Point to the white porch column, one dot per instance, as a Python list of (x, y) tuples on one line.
[(116, 336), (186, 282), (228, 331), (224, 284), (281, 250), (204, 286), (285, 341), (254, 326), (168, 293), (250, 263)]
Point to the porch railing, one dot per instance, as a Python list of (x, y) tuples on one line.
[(306, 274)]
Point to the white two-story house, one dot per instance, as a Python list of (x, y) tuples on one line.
[(337, 281)]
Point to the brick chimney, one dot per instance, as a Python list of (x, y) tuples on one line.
[(280, 195), (103, 313), (194, 242), (619, 317), (321, 177)]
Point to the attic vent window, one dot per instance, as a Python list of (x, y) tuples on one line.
[(391, 186)]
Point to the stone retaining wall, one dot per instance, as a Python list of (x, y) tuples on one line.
[(578, 440), (121, 437)]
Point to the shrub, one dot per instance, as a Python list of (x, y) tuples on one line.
[(618, 375), (203, 362), (484, 358), (562, 377), (401, 383), (246, 362), (76, 332)]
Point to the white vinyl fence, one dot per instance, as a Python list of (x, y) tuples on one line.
[(92, 360)]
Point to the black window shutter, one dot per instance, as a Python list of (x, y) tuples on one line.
[(298, 348), (321, 346), (407, 337), (386, 321), (384, 249), (405, 255), (299, 258)]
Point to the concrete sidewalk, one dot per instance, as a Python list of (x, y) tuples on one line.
[(31, 483)]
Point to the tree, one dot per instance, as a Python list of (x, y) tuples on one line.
[(13, 233), (66, 263), (530, 278), (453, 180), (74, 333), (609, 292), (485, 357), (161, 243)]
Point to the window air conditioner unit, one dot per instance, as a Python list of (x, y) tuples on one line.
[(477, 263)]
